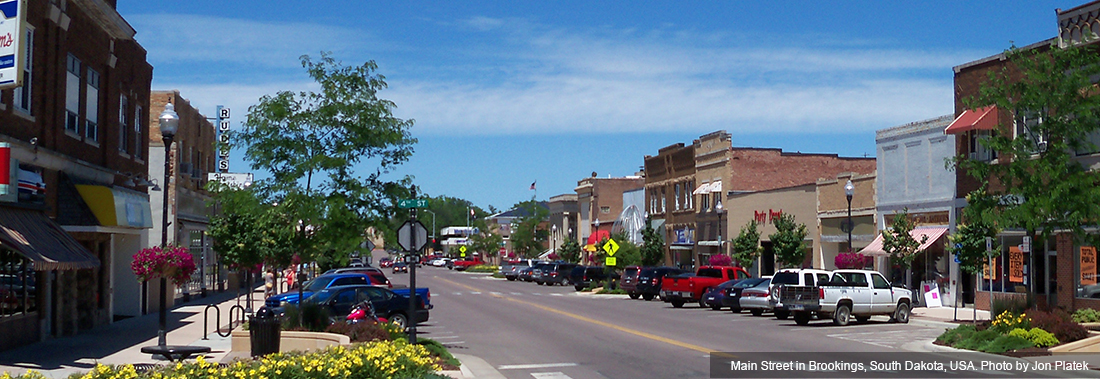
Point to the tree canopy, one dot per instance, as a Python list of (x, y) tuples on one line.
[(746, 246), (898, 241), (527, 238), (789, 241)]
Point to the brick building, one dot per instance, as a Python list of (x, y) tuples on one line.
[(599, 202), (76, 134), (712, 156), (669, 182), (564, 214)]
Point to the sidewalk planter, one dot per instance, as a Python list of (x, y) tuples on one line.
[(1087, 345), (292, 341)]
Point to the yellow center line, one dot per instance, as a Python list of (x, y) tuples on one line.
[(597, 322)]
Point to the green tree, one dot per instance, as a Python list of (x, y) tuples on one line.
[(653, 247), (746, 246), (628, 254), (898, 241), (306, 136), (570, 251), (968, 241), (789, 241), (1037, 183), (527, 238), (486, 242), (247, 231)]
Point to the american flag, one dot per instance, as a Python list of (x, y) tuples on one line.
[(533, 185)]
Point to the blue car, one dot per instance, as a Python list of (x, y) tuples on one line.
[(278, 302), (394, 306)]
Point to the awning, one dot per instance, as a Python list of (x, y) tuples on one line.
[(598, 236), (33, 235), (933, 232), (114, 206), (971, 119), (708, 188), (716, 187)]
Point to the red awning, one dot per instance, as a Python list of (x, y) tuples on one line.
[(598, 236), (933, 233), (974, 119)]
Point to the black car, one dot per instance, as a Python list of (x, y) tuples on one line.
[(339, 300), (582, 276), (650, 279), (526, 273), (555, 273), (732, 295)]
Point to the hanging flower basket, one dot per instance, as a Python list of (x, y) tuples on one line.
[(174, 263), (851, 260)]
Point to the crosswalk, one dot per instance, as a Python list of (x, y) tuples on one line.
[(890, 338)]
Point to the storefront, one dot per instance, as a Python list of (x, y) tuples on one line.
[(763, 208)]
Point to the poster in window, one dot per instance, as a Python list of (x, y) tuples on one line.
[(1088, 265), (986, 270), (1015, 265)]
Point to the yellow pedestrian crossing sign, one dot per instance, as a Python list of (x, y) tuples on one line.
[(610, 261), (611, 247), (462, 251)]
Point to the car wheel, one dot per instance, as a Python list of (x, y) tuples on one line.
[(735, 309), (782, 315), (716, 307), (901, 315), (633, 295), (579, 288), (802, 318), (677, 303), (400, 320), (757, 312), (840, 318), (647, 296), (511, 279)]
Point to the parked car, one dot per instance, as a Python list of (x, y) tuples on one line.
[(378, 278), (526, 274), (732, 296), (536, 273), (556, 273), (793, 277), (629, 281), (859, 293), (464, 264), (400, 267), (390, 305), (385, 262), (681, 289), (755, 299), (519, 266), (650, 280), (277, 302), (715, 296), (580, 277)]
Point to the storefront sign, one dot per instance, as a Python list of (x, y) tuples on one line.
[(12, 41), (762, 217), (986, 270), (1088, 265), (1015, 265), (7, 172)]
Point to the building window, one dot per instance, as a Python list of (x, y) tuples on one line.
[(18, 293), (1027, 126), (1091, 144), (664, 199), (72, 95), (706, 202), (91, 105), (23, 93), (690, 199), (605, 210), (138, 142), (978, 150), (123, 123)]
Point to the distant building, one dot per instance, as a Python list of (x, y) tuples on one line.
[(600, 201)]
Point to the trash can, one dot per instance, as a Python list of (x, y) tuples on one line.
[(263, 331)]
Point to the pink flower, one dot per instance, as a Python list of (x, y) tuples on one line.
[(175, 263)]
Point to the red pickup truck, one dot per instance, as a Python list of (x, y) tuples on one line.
[(465, 264), (685, 288)]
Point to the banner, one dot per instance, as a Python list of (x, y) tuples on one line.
[(1015, 265)]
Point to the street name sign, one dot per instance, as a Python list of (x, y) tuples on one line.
[(412, 203)]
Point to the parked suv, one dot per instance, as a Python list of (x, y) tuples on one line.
[(582, 276), (555, 273), (650, 279), (629, 281), (517, 267), (806, 277)]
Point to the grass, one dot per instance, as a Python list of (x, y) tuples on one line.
[(439, 350)]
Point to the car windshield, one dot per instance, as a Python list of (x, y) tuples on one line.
[(710, 272), (729, 283), (317, 284), (321, 296), (632, 271), (786, 277)]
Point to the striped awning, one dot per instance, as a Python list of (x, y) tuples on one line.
[(934, 233), (34, 236)]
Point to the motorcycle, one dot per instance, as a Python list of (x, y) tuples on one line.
[(363, 311)]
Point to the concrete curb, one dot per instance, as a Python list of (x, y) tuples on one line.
[(475, 367)]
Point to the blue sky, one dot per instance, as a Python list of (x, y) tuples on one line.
[(508, 93)]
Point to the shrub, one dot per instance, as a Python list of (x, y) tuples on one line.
[(1019, 332), (310, 317), (439, 350), (1007, 321), (1059, 323), (483, 268), (1011, 304), (977, 340), (1086, 315), (365, 331), (1006, 343), (605, 291), (952, 336), (1041, 338)]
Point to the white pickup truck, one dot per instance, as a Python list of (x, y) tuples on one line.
[(858, 293)]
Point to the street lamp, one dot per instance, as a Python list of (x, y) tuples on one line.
[(169, 123), (849, 190), (553, 236), (597, 233), (433, 228), (720, 210)]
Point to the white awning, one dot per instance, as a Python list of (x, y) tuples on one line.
[(934, 233), (703, 188), (716, 187)]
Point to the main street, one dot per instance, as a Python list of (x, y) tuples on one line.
[(527, 330)]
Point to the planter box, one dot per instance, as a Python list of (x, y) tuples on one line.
[(1090, 344), (292, 341)]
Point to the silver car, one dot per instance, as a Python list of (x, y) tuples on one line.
[(755, 299)]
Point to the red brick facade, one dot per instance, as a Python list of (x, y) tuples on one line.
[(755, 169)]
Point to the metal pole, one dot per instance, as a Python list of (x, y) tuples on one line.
[(411, 319), (850, 226), (162, 334)]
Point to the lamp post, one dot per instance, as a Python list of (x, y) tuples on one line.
[(553, 237), (720, 210), (169, 123), (849, 190), (433, 229), (597, 233)]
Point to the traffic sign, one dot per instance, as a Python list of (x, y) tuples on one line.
[(412, 236), (412, 203), (462, 251), (367, 245), (611, 247), (610, 261), (410, 259)]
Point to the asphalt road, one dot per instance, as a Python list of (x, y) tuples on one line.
[(527, 330)]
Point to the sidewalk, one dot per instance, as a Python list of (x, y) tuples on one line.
[(121, 342)]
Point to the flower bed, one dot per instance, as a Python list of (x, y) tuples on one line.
[(1010, 333), (379, 359), (483, 268)]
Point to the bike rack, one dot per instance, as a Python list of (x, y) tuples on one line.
[(218, 319)]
